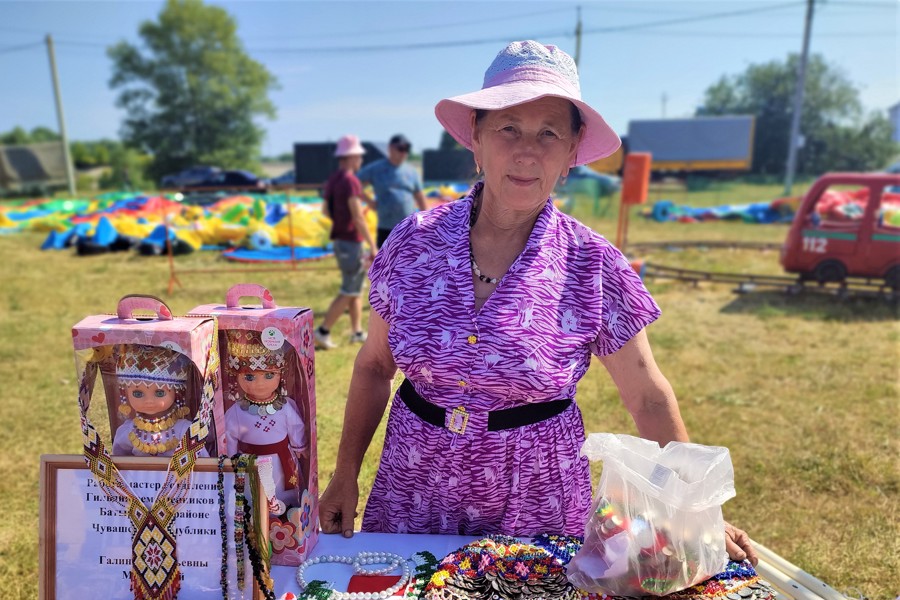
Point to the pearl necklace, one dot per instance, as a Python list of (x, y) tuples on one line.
[(363, 558)]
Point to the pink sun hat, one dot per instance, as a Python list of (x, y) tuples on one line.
[(349, 145), (522, 72)]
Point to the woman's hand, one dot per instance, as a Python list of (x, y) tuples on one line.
[(337, 506), (738, 546)]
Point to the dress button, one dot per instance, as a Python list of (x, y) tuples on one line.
[(462, 383), (472, 339)]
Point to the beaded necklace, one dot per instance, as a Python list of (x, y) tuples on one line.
[(223, 525), (157, 424), (472, 218), (426, 564), (393, 561), (156, 435), (262, 408), (240, 470), (260, 570)]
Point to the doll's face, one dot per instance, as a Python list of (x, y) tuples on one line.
[(259, 386), (148, 399)]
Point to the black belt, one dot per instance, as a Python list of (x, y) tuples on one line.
[(507, 418)]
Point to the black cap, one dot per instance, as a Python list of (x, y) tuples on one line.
[(400, 142)]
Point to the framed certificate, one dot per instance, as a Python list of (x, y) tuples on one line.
[(85, 539)]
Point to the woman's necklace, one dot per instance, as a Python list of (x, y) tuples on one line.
[(491, 280), (262, 408)]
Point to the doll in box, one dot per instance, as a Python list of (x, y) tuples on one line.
[(152, 385), (263, 420)]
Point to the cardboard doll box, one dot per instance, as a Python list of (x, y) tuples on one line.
[(147, 321), (288, 332)]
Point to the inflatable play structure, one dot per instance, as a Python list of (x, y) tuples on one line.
[(835, 206), (237, 224), (246, 228), (778, 211)]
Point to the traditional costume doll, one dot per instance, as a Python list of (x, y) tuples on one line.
[(263, 420), (152, 387)]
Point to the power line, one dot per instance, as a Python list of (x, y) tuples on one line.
[(635, 28), (83, 44), (419, 28), (695, 18), (614, 29), (893, 5), (9, 49), (744, 34), (411, 46)]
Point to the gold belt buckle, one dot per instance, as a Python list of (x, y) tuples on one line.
[(459, 418)]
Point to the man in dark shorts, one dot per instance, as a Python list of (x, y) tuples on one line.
[(342, 195)]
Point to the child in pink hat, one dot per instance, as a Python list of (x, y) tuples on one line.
[(343, 205)]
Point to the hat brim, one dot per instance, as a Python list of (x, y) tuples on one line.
[(351, 152), (455, 113)]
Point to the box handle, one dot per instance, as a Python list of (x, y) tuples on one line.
[(238, 291), (128, 304)]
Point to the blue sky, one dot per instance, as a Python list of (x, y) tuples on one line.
[(435, 49)]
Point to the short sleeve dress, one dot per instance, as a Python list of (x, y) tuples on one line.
[(568, 295)]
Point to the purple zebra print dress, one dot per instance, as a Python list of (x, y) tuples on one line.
[(568, 295)]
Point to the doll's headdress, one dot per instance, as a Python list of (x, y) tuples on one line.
[(246, 351), (151, 364)]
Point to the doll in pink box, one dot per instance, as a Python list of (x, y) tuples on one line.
[(263, 420), (152, 388)]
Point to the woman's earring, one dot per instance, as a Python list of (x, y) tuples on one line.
[(477, 168)]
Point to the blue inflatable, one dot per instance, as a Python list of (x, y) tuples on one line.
[(104, 234)]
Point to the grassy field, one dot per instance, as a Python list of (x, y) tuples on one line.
[(803, 390)]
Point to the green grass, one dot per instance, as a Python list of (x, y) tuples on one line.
[(803, 390)]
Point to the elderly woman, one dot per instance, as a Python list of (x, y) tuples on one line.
[(492, 307)]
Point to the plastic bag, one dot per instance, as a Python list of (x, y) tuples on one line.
[(656, 525)]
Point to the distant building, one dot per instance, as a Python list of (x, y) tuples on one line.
[(314, 162), (40, 165), (723, 143), (894, 116)]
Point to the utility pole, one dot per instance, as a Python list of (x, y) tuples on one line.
[(664, 99), (798, 102), (70, 175), (578, 38)]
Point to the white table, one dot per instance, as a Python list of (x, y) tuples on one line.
[(789, 580)]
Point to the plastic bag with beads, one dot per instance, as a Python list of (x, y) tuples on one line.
[(656, 526)]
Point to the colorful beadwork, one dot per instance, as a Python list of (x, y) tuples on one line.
[(500, 567), (562, 547), (258, 564), (426, 564), (240, 472), (223, 524)]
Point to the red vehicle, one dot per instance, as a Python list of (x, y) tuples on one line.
[(848, 225)]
